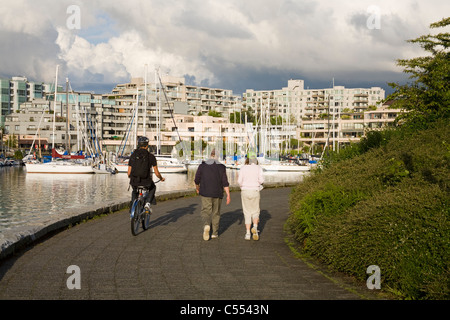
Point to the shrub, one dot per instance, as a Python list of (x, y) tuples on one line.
[(388, 206), (405, 232), (329, 202)]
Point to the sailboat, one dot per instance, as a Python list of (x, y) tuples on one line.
[(170, 165), (275, 164), (61, 163), (166, 164), (121, 166)]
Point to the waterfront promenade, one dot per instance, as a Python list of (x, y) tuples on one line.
[(171, 261)]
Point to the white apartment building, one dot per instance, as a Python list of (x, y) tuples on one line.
[(213, 131), (157, 102), (43, 121), (18, 90), (332, 116), (345, 111), (199, 100), (307, 104), (114, 116), (345, 128)]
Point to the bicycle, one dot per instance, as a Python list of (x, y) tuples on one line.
[(138, 214)]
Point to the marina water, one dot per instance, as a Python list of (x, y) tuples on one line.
[(27, 199)]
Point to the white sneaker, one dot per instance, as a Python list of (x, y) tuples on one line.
[(247, 236), (255, 234), (206, 233), (148, 208)]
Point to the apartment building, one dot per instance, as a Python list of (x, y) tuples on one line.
[(18, 90), (114, 116), (45, 122), (347, 112), (332, 116), (156, 103), (214, 131), (202, 100), (266, 104), (347, 127), (199, 100), (294, 103)]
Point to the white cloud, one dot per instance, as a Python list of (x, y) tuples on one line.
[(80, 55), (120, 58)]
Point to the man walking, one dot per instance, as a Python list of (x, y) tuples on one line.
[(211, 181)]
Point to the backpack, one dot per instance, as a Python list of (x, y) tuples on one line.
[(141, 165)]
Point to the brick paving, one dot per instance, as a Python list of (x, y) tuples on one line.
[(171, 261)]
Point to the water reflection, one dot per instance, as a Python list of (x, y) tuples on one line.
[(27, 198)]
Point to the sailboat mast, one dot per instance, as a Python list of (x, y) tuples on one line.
[(67, 117), (136, 119), (54, 108), (158, 112), (145, 103)]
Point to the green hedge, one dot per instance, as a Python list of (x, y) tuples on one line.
[(387, 206)]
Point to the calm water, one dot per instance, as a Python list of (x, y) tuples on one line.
[(27, 199)]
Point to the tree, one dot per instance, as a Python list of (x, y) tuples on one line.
[(12, 141), (236, 117), (276, 120), (427, 98), (18, 155), (215, 114), (251, 115)]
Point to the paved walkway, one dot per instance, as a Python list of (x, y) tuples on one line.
[(170, 261)]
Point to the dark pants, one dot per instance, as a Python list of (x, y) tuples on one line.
[(150, 197), (211, 213)]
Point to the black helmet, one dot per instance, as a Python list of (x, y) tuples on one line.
[(142, 142)]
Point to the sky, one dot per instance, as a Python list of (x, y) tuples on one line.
[(227, 44)]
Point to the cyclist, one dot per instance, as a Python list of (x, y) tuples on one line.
[(140, 172)]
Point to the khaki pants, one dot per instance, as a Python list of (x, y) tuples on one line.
[(250, 205), (211, 213)]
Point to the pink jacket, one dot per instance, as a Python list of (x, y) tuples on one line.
[(250, 177)]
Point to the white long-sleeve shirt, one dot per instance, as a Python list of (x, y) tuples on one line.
[(250, 177)]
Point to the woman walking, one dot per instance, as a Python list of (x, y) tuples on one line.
[(250, 180)]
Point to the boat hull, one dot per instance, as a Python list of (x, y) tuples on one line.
[(121, 168), (285, 168), (170, 165), (163, 168), (54, 168), (172, 169)]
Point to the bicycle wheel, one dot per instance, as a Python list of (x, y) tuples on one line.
[(135, 217), (145, 220)]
